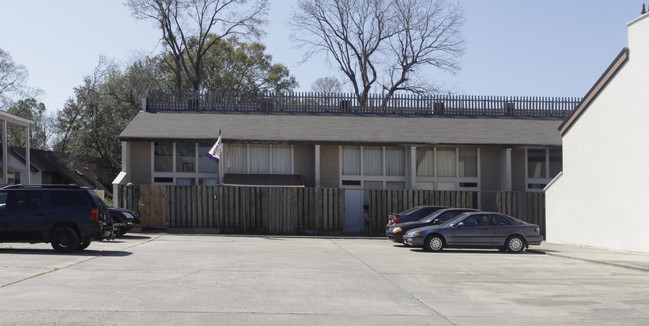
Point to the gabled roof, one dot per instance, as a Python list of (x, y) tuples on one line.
[(315, 129), (60, 164), (603, 80)]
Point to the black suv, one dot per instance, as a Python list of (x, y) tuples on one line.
[(67, 216)]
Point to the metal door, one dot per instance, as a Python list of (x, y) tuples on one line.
[(354, 222)]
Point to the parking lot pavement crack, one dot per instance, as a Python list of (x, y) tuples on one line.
[(215, 312), (383, 276), (602, 262), (102, 254)]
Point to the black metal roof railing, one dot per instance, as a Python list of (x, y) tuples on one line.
[(348, 104)]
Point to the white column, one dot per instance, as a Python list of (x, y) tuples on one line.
[(222, 166), (317, 166), (506, 178), (126, 158), (124, 176), (479, 181), (547, 165), (28, 155), (5, 159), (412, 175)]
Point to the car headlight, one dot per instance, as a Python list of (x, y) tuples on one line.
[(396, 230), (128, 215), (412, 234)]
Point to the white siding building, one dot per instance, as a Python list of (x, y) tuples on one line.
[(601, 197)]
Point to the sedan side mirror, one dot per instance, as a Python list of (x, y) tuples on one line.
[(459, 225), (436, 221)]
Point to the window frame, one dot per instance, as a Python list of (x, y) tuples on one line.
[(357, 181), (443, 182), (173, 175), (538, 184), (271, 158)]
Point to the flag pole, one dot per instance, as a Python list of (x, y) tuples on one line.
[(215, 154), (220, 183)]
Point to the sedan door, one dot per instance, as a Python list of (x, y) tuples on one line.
[(501, 229), (475, 230)]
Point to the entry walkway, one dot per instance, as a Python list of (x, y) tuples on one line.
[(631, 260)]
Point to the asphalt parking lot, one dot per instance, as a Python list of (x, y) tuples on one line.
[(165, 279)]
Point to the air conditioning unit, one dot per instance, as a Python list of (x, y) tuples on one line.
[(266, 104), (193, 103), (508, 108), (438, 108), (345, 105)]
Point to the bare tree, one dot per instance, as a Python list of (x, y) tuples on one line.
[(326, 85), (12, 79), (187, 24), (381, 44)]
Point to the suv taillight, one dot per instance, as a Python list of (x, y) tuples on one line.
[(94, 214), (395, 220)]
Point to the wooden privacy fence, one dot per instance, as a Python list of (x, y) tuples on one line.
[(527, 206), (260, 210), (383, 202), (241, 209)]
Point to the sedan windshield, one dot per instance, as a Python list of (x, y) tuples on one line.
[(408, 211), (431, 217), (455, 220)]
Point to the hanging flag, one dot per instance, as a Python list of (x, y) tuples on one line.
[(215, 152)]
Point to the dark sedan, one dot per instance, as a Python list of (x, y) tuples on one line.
[(123, 220), (477, 230), (413, 214), (441, 216)]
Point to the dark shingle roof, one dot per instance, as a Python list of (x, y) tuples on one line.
[(196, 126), (79, 173), (603, 80)]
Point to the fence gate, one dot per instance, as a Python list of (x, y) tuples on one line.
[(354, 221), (151, 206)]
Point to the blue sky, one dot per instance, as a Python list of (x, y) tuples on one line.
[(553, 48)]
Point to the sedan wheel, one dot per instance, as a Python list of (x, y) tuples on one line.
[(515, 244), (434, 243)]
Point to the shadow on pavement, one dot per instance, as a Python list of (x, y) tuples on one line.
[(476, 251), (133, 237), (51, 252)]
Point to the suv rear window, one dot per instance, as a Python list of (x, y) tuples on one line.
[(68, 199), (28, 199)]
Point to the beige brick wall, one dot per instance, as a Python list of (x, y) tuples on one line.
[(140, 163), (329, 167)]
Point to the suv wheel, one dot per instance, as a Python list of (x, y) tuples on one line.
[(64, 239)]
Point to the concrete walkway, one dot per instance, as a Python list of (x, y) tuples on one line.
[(632, 260)]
